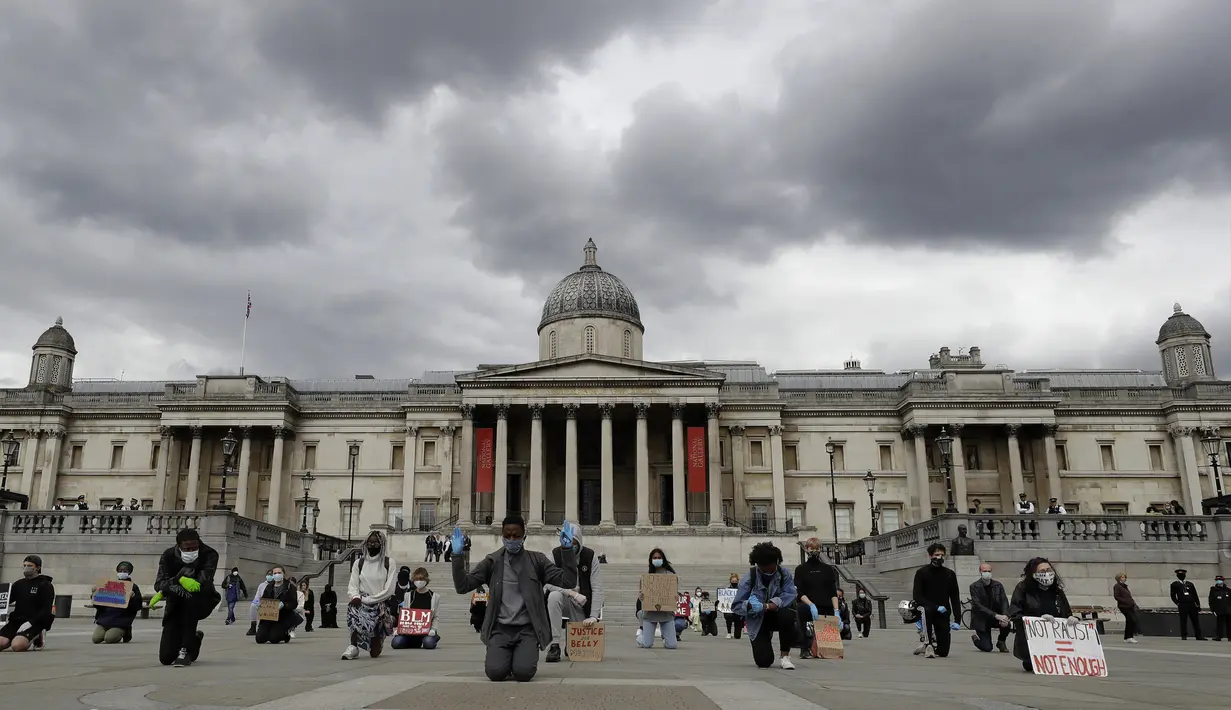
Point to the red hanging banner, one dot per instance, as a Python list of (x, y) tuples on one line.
[(485, 460), (696, 459)]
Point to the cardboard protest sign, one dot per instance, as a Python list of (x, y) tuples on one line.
[(4, 601), (478, 598), (414, 622), (112, 593), (705, 606), (659, 592), (586, 644), (1059, 649), (726, 597), (268, 610), (682, 607), (827, 638)]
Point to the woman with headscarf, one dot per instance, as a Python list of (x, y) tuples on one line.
[(399, 591), (373, 579), (1039, 594), (282, 590), (329, 608)]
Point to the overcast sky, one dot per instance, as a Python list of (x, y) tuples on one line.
[(400, 184)]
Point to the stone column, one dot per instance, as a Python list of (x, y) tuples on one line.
[(245, 472), (1186, 454), (47, 485), (679, 491), (775, 452), (160, 473), (500, 496), (923, 480), (465, 493), (958, 461), (1015, 468), (274, 514), (410, 458), (912, 476), (715, 464), (643, 465), (536, 466), (1053, 464), (446, 471), (607, 468), (738, 456), (31, 450), (570, 463), (194, 470)]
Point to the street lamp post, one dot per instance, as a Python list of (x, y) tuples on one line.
[(945, 442), (1211, 441), (308, 478), (350, 515), (316, 514), (870, 481), (10, 458), (228, 450), (833, 493)]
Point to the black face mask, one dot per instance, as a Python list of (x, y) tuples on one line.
[(938, 562), (1181, 576)]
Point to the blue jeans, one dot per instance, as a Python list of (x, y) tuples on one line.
[(230, 612), (669, 631)]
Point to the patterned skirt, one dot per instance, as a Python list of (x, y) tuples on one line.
[(369, 623)]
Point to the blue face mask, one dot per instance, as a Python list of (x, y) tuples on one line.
[(513, 546), (657, 563), (269, 578)]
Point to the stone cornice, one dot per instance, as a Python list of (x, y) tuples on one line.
[(592, 383)]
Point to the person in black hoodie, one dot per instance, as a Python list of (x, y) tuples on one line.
[(936, 590), (1220, 605), (287, 595), (1039, 594), (186, 580), (735, 622), (113, 625), (31, 607), (817, 582), (329, 608), (862, 607)]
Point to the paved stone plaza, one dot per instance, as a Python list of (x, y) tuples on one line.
[(703, 674)]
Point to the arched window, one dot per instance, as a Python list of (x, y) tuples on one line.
[(589, 338), (628, 344), (552, 339)]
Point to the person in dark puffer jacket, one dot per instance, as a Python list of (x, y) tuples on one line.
[(113, 625)]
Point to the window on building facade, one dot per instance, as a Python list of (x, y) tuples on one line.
[(972, 462), (1072, 508), (1107, 457), (554, 344), (429, 452), (1115, 508), (722, 452), (1062, 457), (758, 517), (393, 516), (846, 519), (790, 457), (839, 457), (1156, 457), (262, 511), (628, 343), (726, 509), (886, 451), (756, 453), (76, 454), (794, 517), (348, 522), (397, 460), (155, 450), (891, 518), (117, 457), (427, 514), (309, 456), (1027, 452), (589, 338)]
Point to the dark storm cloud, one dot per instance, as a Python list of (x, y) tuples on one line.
[(116, 112), (366, 56)]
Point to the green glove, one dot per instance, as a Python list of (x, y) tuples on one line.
[(155, 600), (190, 584)]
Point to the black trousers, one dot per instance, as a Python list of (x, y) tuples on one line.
[(936, 626), (1222, 627), (983, 639), (1130, 623), (735, 624), (512, 651), (1188, 613), (329, 618), (779, 620), (709, 623), (308, 615), (179, 627), (864, 626)]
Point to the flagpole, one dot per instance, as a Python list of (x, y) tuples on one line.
[(243, 343)]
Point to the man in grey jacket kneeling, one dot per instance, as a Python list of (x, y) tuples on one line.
[(515, 627)]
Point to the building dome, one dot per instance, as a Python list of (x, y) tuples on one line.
[(1180, 325), (56, 337), (591, 292)]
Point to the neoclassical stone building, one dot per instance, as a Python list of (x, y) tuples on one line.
[(593, 432)]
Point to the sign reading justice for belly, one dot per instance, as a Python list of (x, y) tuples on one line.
[(586, 644), (1059, 649)]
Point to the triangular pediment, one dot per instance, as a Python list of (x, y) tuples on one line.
[(592, 367)]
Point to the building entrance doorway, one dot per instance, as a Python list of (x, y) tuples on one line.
[(666, 499), (591, 501), (513, 502)]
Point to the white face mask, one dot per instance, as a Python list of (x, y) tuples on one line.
[(1045, 579), (189, 557), (279, 578), (420, 583), (123, 576), (985, 575)]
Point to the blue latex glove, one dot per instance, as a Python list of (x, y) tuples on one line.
[(954, 625), (755, 605), (566, 534), (919, 625), (459, 541), (941, 610), (815, 614)]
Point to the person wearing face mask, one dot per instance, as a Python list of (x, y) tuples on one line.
[(516, 626), (935, 589), (281, 589), (658, 623), (112, 625), (420, 597), (817, 582), (1127, 606), (373, 579), (862, 608), (1220, 605), (765, 599), (329, 608), (31, 608), (235, 588), (1184, 596), (394, 602), (735, 622), (186, 578), (1039, 594), (307, 603), (256, 602), (582, 602), (989, 609)]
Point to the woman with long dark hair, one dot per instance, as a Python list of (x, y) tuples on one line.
[(664, 621), (283, 591), (1039, 594)]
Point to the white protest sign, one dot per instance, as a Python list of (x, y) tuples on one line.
[(1059, 649), (725, 597)]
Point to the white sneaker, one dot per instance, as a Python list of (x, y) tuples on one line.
[(728, 635), (351, 653), (929, 652), (291, 634), (786, 664), (919, 650), (1130, 640)]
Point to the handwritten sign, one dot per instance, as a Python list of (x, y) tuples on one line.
[(268, 610), (113, 593), (683, 608), (827, 638), (586, 644), (726, 597), (659, 592), (705, 607), (4, 601), (1059, 649), (414, 622), (478, 598)]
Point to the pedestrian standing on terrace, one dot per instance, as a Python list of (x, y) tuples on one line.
[(1188, 602), (1220, 605), (1127, 606)]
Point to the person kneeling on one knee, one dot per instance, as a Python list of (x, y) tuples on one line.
[(283, 591), (112, 624), (515, 627), (582, 603), (31, 607), (419, 597), (764, 598)]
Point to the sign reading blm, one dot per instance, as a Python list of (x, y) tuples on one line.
[(1059, 649), (414, 622)]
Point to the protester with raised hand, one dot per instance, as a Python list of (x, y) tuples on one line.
[(515, 627)]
